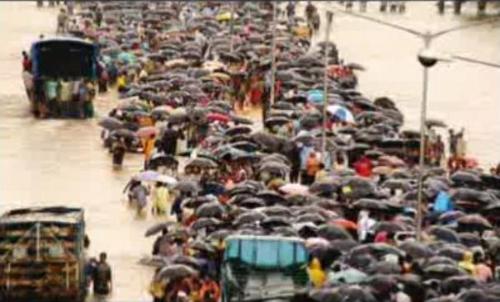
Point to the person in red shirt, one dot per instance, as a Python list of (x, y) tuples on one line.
[(26, 62), (363, 167)]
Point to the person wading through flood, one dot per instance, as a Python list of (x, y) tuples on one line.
[(169, 140), (103, 285), (148, 146)]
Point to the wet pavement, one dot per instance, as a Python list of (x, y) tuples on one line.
[(61, 162)]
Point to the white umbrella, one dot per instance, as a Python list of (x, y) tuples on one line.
[(341, 113), (166, 179)]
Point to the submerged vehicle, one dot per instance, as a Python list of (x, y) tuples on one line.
[(264, 268), (62, 71), (42, 255)]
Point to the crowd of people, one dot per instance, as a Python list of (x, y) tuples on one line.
[(184, 73)]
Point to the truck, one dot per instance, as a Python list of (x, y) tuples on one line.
[(264, 268), (42, 255)]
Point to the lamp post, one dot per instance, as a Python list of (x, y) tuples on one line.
[(329, 18), (270, 101), (427, 62)]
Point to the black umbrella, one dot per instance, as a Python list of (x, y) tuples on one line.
[(416, 249), (475, 221), (442, 271), (211, 209), (195, 202), (249, 217), (311, 217), (187, 186), (333, 232), (176, 271), (205, 223), (275, 221), (444, 234), (155, 229), (203, 163), (454, 252), (186, 260), (111, 123), (465, 177), (277, 211), (384, 267), (271, 197)]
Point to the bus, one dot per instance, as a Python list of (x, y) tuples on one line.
[(264, 268), (63, 72)]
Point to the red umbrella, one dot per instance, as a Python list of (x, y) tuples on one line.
[(217, 117), (147, 132)]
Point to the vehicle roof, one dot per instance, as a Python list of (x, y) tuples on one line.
[(61, 39), (66, 215), (263, 238)]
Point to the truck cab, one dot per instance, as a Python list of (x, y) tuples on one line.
[(41, 255)]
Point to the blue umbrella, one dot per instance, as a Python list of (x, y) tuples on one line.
[(315, 96)]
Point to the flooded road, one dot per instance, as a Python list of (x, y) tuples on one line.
[(61, 162)]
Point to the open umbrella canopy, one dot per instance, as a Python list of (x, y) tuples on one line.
[(211, 209), (475, 220), (341, 113), (176, 271), (111, 123), (187, 186), (147, 175), (333, 232), (294, 189), (202, 163)]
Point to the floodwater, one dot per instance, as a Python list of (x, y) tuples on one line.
[(61, 162)]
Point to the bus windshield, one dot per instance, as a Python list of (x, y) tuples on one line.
[(267, 253)]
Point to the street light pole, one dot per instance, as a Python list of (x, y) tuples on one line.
[(329, 18), (231, 28), (270, 101), (423, 119)]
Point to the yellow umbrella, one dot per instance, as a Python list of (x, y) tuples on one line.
[(223, 16)]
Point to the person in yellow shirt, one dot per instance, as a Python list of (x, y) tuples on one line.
[(121, 82), (161, 197), (316, 273)]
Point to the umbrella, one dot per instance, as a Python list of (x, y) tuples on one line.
[(442, 271), (333, 232), (238, 130), (187, 186), (435, 123), (275, 221), (111, 123), (205, 223), (202, 163), (271, 197), (201, 246), (249, 217), (217, 117), (355, 66), (444, 234), (147, 175), (341, 113), (456, 284), (158, 228), (475, 220), (211, 209), (126, 133), (176, 271), (346, 224), (416, 249), (276, 211), (455, 252), (315, 96), (465, 177), (350, 275), (294, 189), (146, 132), (384, 267), (166, 179)]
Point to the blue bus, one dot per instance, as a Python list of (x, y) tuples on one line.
[(63, 72)]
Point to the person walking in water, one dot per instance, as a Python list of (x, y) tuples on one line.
[(148, 148), (101, 278), (62, 20)]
